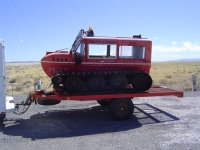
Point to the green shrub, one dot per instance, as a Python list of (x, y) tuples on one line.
[(19, 88), (14, 80), (168, 76), (163, 81)]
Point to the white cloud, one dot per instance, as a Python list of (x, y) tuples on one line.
[(21, 41), (1, 41), (190, 46), (161, 48), (185, 46), (177, 50), (155, 38), (174, 43)]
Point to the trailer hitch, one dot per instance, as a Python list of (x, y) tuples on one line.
[(21, 108)]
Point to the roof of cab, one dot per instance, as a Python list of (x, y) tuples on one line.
[(115, 38)]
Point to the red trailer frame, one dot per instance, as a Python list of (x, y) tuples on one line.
[(153, 91)]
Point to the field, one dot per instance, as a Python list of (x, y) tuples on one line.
[(20, 78), (177, 75)]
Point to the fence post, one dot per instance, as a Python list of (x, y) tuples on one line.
[(38, 85), (194, 83), (12, 88)]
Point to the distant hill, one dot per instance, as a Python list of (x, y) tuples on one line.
[(181, 60), (23, 62), (188, 60)]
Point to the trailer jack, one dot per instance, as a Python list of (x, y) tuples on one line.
[(21, 108), (37, 97)]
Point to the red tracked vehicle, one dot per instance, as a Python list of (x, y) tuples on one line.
[(97, 63)]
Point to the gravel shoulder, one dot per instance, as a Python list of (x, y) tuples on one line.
[(158, 123)]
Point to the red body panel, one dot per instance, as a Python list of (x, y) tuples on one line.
[(63, 61)]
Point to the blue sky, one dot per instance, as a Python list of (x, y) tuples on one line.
[(29, 28)]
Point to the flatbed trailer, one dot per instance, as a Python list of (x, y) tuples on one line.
[(153, 91), (120, 104)]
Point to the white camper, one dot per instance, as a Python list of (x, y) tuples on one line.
[(6, 102)]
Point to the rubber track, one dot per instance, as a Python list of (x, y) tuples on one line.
[(86, 74)]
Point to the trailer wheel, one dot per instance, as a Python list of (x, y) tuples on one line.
[(47, 102), (104, 102), (121, 109)]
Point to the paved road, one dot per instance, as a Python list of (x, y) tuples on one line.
[(159, 123)]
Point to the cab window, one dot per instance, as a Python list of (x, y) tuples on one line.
[(102, 51), (134, 52)]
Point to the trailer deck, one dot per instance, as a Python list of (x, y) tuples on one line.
[(153, 91)]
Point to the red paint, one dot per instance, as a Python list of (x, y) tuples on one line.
[(63, 61), (153, 91)]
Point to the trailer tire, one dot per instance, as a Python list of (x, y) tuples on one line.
[(47, 102), (121, 109), (104, 102)]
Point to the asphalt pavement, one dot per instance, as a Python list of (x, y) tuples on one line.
[(167, 123)]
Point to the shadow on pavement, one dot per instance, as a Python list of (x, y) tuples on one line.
[(71, 123)]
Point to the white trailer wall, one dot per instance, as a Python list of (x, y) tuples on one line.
[(2, 80)]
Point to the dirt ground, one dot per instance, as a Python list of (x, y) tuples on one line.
[(158, 123)]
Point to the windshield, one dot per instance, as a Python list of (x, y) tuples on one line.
[(77, 41), (80, 49)]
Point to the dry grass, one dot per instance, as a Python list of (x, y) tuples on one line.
[(175, 74), (21, 78)]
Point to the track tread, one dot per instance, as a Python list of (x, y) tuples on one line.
[(140, 80)]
